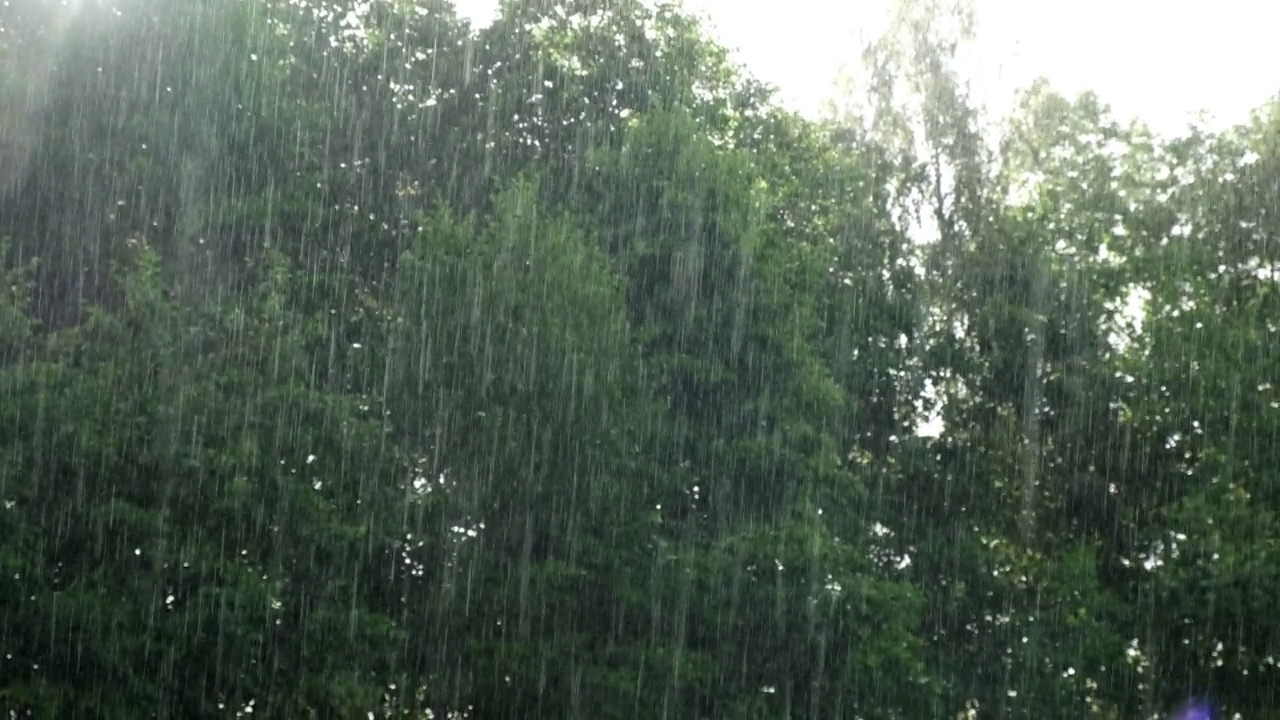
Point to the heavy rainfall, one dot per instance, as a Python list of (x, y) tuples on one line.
[(359, 362)]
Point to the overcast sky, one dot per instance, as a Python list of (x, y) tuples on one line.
[(1154, 59)]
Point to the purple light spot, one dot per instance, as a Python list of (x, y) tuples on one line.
[(1194, 711)]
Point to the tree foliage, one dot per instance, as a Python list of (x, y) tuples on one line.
[(356, 362)]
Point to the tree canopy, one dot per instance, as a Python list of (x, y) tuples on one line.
[(356, 362)]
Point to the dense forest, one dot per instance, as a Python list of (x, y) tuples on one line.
[(356, 362)]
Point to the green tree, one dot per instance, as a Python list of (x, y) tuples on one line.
[(1201, 370), (190, 523)]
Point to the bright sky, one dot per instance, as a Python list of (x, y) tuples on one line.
[(1155, 59)]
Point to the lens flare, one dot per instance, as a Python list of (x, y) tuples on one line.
[(1194, 710)]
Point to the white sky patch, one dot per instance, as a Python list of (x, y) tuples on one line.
[(1160, 61)]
